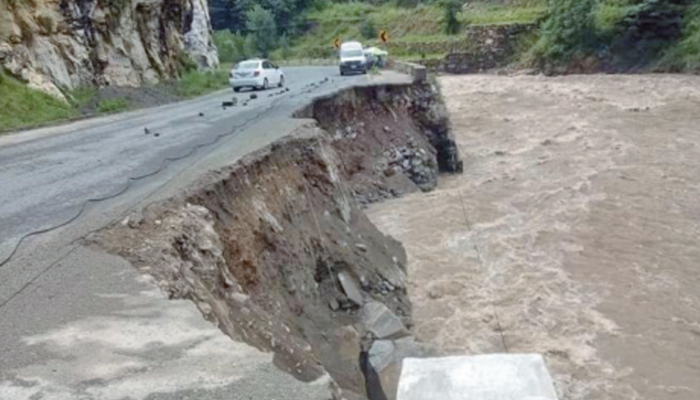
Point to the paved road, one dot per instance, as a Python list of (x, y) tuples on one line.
[(52, 285)]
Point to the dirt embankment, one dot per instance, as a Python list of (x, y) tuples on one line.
[(276, 251)]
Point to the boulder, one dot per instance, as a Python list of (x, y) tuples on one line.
[(381, 322), (350, 288)]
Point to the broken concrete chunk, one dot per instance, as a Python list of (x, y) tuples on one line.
[(350, 288), (361, 246), (334, 305), (382, 322)]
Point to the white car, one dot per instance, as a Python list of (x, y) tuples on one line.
[(255, 74), (352, 59)]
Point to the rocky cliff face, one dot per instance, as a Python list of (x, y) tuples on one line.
[(62, 44)]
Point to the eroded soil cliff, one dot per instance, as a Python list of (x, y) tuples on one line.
[(277, 252)]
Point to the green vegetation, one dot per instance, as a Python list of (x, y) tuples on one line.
[(113, 105), (367, 29), (622, 33), (193, 84), (263, 28), (567, 30), (685, 54), (424, 22), (450, 21), (21, 106)]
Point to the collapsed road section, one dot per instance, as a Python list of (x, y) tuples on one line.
[(277, 252)]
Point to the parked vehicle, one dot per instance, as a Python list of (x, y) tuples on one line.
[(376, 57), (352, 59), (255, 74)]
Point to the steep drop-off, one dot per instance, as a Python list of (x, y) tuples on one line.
[(63, 44), (276, 251)]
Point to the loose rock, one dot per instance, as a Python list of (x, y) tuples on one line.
[(382, 322)]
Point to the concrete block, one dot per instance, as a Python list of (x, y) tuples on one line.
[(483, 377)]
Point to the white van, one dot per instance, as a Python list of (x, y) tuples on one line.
[(352, 58)]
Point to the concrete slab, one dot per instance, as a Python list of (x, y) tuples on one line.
[(483, 377), (118, 337)]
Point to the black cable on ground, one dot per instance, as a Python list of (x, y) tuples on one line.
[(164, 163)]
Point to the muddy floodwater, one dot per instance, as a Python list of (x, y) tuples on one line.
[(574, 231)]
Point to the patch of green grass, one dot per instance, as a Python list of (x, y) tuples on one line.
[(504, 15), (21, 106), (81, 96), (197, 83), (113, 105)]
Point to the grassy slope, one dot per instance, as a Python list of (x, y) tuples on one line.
[(422, 23), (21, 106)]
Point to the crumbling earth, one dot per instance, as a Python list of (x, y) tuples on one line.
[(276, 251)]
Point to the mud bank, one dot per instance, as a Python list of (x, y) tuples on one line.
[(276, 251)]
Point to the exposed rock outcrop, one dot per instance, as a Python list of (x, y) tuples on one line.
[(63, 44)]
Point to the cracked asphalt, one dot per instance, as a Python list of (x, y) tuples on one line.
[(71, 319)]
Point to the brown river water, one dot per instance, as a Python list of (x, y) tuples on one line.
[(574, 231)]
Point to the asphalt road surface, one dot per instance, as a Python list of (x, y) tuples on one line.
[(72, 179)]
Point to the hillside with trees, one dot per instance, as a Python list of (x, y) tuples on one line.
[(572, 35)]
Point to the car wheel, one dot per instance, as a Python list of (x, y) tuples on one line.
[(236, 89), (266, 84), (342, 73), (281, 81)]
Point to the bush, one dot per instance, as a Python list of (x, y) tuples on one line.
[(250, 47), (232, 48), (198, 83), (286, 51), (185, 64), (367, 29)]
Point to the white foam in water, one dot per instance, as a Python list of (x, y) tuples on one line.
[(483, 377)]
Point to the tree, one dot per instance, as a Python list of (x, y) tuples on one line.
[(261, 25), (450, 22)]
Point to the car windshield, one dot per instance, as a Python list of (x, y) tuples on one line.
[(248, 65), (351, 53)]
